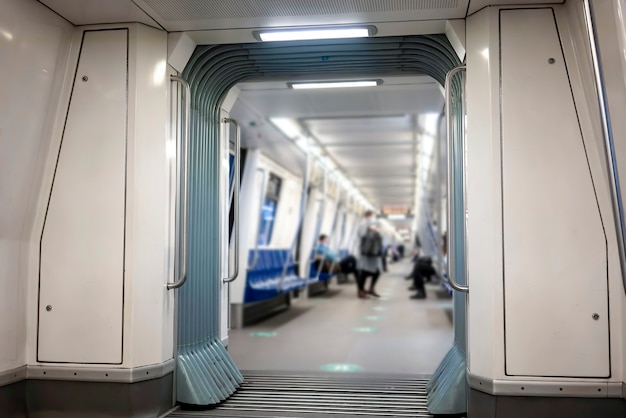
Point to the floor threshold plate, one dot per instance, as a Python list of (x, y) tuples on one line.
[(265, 394)]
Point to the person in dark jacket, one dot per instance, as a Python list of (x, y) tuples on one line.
[(422, 270)]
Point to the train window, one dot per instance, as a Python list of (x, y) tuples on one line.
[(268, 213)]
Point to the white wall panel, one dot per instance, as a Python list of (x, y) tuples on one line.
[(34, 45), (484, 224), (149, 306), (555, 264), (82, 245)]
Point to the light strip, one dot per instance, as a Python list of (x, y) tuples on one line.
[(309, 34), (289, 127), (334, 84)]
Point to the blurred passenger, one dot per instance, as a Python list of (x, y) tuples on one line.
[(331, 261), (369, 262), (400, 250), (417, 249), (423, 270)]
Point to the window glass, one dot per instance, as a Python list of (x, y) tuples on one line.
[(268, 212)]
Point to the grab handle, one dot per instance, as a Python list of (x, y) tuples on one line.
[(609, 145), (451, 250), (235, 273), (181, 191)]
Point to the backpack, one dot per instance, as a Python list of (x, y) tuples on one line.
[(371, 244)]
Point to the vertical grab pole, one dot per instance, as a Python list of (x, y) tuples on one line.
[(236, 180), (608, 143), (303, 201), (451, 151), (182, 154), (438, 195), (320, 220), (334, 226)]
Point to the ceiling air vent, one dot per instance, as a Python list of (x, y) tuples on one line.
[(194, 10)]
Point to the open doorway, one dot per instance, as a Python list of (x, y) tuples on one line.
[(382, 141)]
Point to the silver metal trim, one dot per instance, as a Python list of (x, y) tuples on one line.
[(236, 180), (182, 157), (551, 388), (12, 376), (92, 374), (451, 252), (255, 258), (608, 143)]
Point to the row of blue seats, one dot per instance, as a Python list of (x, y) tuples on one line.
[(263, 279), (266, 269)]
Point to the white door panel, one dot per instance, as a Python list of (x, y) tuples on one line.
[(82, 244), (555, 268)]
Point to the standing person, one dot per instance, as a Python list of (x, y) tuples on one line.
[(369, 261)]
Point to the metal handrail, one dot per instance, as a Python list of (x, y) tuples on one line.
[(321, 216), (439, 197), (450, 200), (255, 258), (608, 143), (236, 180), (303, 202), (181, 191), (353, 225), (332, 229)]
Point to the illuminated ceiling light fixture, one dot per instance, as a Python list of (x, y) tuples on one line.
[(315, 33), (289, 127), (335, 84)]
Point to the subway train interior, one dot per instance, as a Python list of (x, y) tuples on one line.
[(280, 208)]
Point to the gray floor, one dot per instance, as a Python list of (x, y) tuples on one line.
[(339, 332)]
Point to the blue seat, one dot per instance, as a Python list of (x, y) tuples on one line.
[(315, 276), (264, 280)]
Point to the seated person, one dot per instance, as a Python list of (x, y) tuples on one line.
[(423, 270), (332, 263)]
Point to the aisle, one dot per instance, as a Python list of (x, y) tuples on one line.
[(339, 332)]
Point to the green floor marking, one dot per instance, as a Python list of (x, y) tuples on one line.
[(379, 308), (339, 367), (373, 318), (364, 329), (263, 334)]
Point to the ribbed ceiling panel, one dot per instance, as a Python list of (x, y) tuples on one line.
[(190, 10)]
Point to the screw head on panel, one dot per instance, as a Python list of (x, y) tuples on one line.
[(85, 78), (595, 316), (551, 60), (49, 308)]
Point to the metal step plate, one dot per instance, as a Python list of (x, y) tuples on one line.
[(271, 394)]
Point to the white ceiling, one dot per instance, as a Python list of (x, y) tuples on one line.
[(372, 134), (236, 19)]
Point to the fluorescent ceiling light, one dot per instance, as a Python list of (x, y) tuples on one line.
[(287, 126), (396, 216), (335, 84), (318, 33)]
